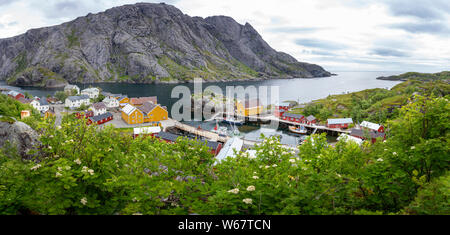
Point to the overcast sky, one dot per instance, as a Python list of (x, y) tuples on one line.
[(340, 35)]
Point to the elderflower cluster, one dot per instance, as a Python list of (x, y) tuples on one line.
[(255, 177), (83, 201), (77, 161), (235, 191), (87, 170), (248, 201), (35, 167), (251, 188)]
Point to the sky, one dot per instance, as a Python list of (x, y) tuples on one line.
[(339, 35)]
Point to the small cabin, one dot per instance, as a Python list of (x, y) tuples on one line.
[(342, 123), (372, 126), (367, 134), (292, 117), (100, 119), (146, 131), (310, 120)]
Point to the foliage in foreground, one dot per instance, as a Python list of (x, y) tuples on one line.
[(82, 170)]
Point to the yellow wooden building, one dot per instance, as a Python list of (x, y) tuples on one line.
[(123, 100), (132, 115), (249, 107), (153, 112)]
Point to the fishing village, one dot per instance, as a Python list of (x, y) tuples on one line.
[(144, 116)]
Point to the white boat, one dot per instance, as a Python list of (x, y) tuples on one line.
[(221, 130), (298, 130), (233, 121)]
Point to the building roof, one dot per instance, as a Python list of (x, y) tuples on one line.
[(293, 115), (128, 109), (232, 144), (13, 93), (100, 117), (372, 134), (284, 104), (71, 87), (99, 105), (78, 97), (348, 138), (310, 118), (167, 136), (339, 121), (209, 143), (142, 100), (121, 97), (147, 130), (147, 107), (370, 125)]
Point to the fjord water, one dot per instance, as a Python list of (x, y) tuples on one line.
[(300, 90)]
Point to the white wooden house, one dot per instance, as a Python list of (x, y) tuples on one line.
[(111, 102), (40, 105), (76, 101), (98, 108), (91, 92), (69, 88)]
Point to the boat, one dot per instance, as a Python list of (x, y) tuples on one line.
[(233, 121), (298, 130), (221, 130)]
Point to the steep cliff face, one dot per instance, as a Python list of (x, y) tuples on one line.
[(144, 43)]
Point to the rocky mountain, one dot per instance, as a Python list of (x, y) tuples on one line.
[(18, 135), (144, 43), (444, 76)]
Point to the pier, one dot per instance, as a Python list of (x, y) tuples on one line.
[(268, 118)]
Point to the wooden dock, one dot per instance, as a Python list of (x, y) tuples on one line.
[(268, 118)]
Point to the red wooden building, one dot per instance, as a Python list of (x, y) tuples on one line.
[(100, 119), (372, 126), (281, 108), (16, 95), (310, 120), (368, 134), (339, 123), (292, 117)]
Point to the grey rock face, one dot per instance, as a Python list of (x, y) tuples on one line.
[(19, 135), (144, 43)]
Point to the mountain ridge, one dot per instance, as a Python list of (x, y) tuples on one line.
[(144, 43)]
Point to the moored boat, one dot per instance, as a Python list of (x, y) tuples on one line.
[(298, 130), (233, 121)]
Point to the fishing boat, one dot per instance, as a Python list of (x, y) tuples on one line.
[(221, 130), (298, 130), (233, 121)]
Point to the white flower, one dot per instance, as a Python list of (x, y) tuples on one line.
[(77, 161), (85, 169), (247, 201), (270, 152), (68, 167), (235, 191), (137, 213), (292, 160), (338, 175), (274, 165), (251, 188), (413, 147), (49, 147), (379, 159), (35, 167), (58, 127), (385, 149), (255, 177), (267, 167), (394, 153), (58, 174), (59, 168), (83, 200), (251, 157), (91, 171)]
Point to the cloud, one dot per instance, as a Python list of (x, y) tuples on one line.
[(293, 29), (423, 27), (389, 52), (5, 2), (422, 9), (322, 44)]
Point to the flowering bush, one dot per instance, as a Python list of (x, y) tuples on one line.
[(80, 169)]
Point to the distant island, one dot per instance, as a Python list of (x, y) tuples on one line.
[(444, 75), (144, 43)]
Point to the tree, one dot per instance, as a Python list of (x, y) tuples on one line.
[(61, 95)]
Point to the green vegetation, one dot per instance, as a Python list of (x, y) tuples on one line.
[(81, 169), (10, 110), (73, 39), (375, 105), (445, 75)]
